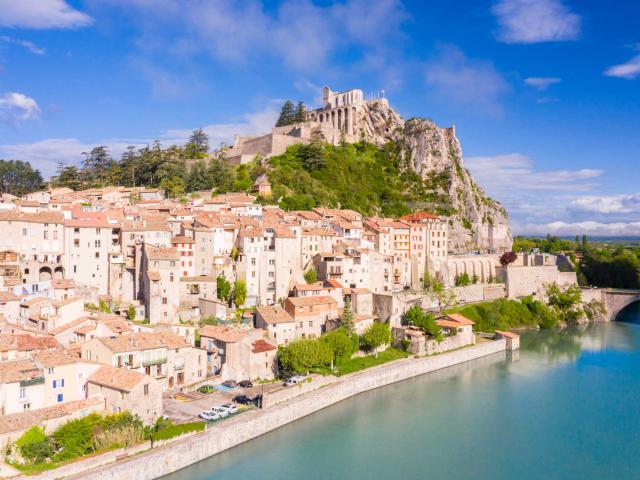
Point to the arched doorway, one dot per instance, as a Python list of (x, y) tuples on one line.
[(44, 274), (58, 273)]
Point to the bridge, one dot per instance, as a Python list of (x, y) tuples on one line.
[(613, 299)]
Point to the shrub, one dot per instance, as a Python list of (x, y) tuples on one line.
[(507, 258), (180, 429), (376, 335), (304, 355), (74, 438), (425, 321), (34, 445), (343, 344)]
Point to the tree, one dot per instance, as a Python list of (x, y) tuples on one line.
[(96, 163), (239, 292), (223, 288), (300, 113), (287, 114), (131, 313), (300, 356), (566, 302), (376, 335), (311, 275), (174, 186), (346, 320), (342, 342), (312, 156), (507, 258), (18, 178), (462, 280), (425, 321), (444, 297), (198, 178), (198, 144), (69, 177)]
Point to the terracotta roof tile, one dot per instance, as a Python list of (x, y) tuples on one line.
[(116, 378)]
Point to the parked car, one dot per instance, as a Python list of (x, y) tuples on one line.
[(209, 416), (230, 384), (207, 389), (293, 381), (229, 407), (242, 399), (221, 412), (246, 384)]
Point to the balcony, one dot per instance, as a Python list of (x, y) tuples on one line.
[(156, 361), (33, 381), (179, 366)]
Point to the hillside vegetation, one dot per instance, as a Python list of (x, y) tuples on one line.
[(361, 177)]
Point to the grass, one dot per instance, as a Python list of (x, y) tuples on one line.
[(36, 468), (179, 429), (361, 363)]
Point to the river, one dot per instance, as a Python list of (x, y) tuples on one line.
[(566, 406)]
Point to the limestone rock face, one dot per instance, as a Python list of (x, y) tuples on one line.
[(476, 222)]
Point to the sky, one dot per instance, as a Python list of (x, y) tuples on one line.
[(544, 94)]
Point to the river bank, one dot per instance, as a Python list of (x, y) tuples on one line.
[(177, 455)]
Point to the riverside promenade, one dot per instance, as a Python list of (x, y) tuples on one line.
[(176, 455)]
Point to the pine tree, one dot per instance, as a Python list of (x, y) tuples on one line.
[(287, 114), (301, 111), (198, 144), (346, 320)]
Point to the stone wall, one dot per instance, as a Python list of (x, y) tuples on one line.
[(287, 393), (494, 291), (469, 293), (247, 426), (523, 281)]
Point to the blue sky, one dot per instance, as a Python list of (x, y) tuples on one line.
[(545, 94)]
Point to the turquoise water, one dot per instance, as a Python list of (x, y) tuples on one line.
[(567, 406)]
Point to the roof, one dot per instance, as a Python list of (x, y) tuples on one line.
[(332, 282), (29, 343), (42, 217), (116, 378), (53, 358), (16, 371), (63, 283), (309, 286), (418, 216), (161, 253), (182, 239), (273, 314), (8, 297), (143, 341), (261, 346), (314, 300), (21, 421), (223, 333), (461, 319), (507, 334)]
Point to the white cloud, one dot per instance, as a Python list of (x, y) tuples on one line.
[(32, 47), (45, 154), (16, 107), (628, 70), (41, 14), (534, 21), (608, 204), (541, 83), (613, 229), (466, 81), (299, 33)]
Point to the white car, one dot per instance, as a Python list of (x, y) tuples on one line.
[(209, 416), (219, 411), (229, 407), (294, 381)]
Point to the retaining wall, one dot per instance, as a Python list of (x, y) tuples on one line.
[(254, 423)]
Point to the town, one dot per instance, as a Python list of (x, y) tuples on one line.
[(128, 301)]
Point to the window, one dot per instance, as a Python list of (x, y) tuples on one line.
[(23, 393), (172, 263), (55, 234), (97, 231), (55, 383), (60, 397), (164, 300), (97, 243), (97, 254), (76, 242), (24, 232), (46, 235), (171, 277), (146, 389)]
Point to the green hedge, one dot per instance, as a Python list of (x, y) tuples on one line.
[(179, 429)]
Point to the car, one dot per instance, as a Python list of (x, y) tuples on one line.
[(246, 384), (293, 381), (229, 407), (209, 416), (220, 412), (207, 389), (230, 384), (242, 399)]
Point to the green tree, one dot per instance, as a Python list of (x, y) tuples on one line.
[(198, 144), (287, 114), (174, 186), (35, 446), (376, 336), (301, 356), (96, 163), (131, 313), (223, 288), (300, 113), (342, 342), (198, 178), (220, 175), (346, 320), (565, 302), (425, 321), (311, 275), (18, 178), (240, 292), (462, 280)]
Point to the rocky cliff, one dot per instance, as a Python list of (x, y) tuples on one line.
[(475, 220)]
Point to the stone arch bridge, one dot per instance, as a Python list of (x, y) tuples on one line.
[(614, 299)]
